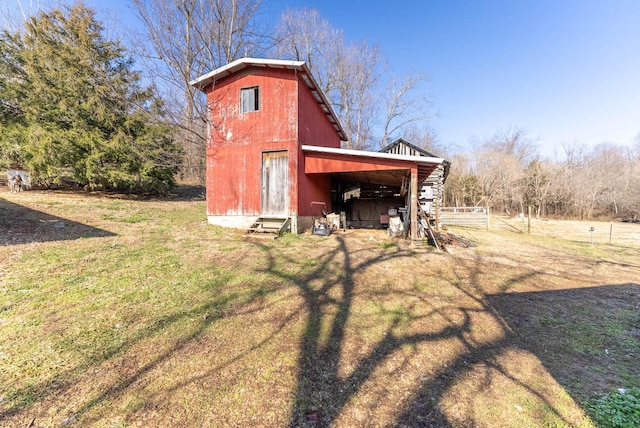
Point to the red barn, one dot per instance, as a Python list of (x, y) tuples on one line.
[(274, 148)]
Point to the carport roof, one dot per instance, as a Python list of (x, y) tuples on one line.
[(365, 166)]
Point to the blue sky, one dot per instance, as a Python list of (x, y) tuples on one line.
[(564, 70)]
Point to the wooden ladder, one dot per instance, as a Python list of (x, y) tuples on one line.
[(425, 228)]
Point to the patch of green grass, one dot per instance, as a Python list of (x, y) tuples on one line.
[(618, 409), (135, 218), (76, 304), (386, 245), (289, 238), (131, 219)]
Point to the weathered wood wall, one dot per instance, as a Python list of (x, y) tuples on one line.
[(435, 179)]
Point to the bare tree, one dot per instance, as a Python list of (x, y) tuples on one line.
[(187, 39), (634, 194), (405, 105), (349, 75), (425, 137), (500, 162), (498, 174), (616, 165), (303, 35), (462, 187), (15, 13), (536, 185), (513, 141), (352, 76), (585, 178), (359, 74), (506, 173)]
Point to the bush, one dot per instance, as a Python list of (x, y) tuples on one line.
[(619, 409)]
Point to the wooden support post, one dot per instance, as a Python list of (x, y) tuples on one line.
[(414, 203)]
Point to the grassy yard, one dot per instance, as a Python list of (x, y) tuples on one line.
[(122, 312)]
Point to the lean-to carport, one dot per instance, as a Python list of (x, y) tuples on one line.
[(373, 167)]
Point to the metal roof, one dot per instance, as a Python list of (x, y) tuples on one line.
[(375, 155), (423, 152), (300, 66), (340, 163)]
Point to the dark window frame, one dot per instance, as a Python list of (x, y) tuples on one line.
[(250, 99)]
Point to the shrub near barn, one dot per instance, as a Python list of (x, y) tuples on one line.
[(74, 109)]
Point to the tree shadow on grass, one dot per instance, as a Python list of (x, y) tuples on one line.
[(327, 291), (587, 339), (599, 327), (188, 192), (202, 316), (329, 288), (477, 358), (323, 393), (21, 225)]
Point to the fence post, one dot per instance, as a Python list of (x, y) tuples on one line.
[(488, 214), (610, 231)]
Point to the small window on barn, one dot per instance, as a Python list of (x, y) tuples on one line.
[(250, 98)]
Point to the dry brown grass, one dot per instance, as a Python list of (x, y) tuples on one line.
[(138, 314)]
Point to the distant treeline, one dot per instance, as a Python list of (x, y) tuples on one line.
[(506, 173)]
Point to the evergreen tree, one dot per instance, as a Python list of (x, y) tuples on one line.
[(73, 108), (11, 114)]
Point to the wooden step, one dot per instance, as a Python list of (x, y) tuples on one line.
[(266, 224)]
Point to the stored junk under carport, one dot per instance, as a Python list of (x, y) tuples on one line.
[(369, 186), (274, 150), (431, 191)]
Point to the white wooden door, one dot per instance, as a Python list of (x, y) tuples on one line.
[(275, 183)]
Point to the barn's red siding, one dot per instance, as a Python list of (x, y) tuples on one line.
[(313, 127), (327, 162), (234, 152), (289, 116), (314, 130)]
